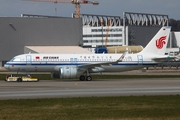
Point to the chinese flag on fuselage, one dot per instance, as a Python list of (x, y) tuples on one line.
[(37, 57)]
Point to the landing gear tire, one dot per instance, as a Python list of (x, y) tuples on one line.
[(82, 78), (88, 78), (19, 80)]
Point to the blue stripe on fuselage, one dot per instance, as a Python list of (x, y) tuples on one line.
[(80, 64)]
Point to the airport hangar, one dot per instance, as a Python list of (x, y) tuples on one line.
[(18, 32), (24, 34)]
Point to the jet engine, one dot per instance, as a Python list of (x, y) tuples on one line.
[(65, 72)]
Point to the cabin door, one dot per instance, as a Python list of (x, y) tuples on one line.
[(140, 59), (28, 59)]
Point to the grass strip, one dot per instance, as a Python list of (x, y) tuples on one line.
[(93, 108)]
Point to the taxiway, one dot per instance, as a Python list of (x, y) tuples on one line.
[(74, 88)]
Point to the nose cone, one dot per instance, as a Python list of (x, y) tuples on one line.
[(6, 66)]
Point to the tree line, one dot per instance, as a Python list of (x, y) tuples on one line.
[(175, 24)]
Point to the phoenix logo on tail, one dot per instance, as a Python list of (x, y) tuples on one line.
[(160, 42)]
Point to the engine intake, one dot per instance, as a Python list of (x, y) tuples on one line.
[(66, 72)]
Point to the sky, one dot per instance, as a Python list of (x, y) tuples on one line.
[(14, 8)]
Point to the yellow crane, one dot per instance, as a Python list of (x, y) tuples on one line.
[(76, 2), (107, 32)]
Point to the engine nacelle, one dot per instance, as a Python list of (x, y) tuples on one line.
[(66, 72), (69, 72)]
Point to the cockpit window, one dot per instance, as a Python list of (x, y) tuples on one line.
[(11, 60), (15, 60)]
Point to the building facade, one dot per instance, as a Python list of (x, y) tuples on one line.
[(101, 31), (101, 36), (17, 32), (132, 29)]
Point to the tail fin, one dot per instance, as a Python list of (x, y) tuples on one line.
[(158, 43)]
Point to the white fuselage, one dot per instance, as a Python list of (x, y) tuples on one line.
[(52, 62)]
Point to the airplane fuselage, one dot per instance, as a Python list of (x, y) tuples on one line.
[(48, 62)]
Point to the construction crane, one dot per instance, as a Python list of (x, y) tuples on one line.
[(76, 2), (107, 32)]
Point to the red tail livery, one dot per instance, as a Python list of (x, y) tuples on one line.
[(160, 42)]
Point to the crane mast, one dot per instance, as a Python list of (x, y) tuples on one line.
[(76, 2), (77, 6), (107, 32)]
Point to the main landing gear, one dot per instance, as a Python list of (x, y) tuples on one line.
[(87, 77), (83, 78)]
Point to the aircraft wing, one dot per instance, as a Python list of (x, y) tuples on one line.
[(86, 66)]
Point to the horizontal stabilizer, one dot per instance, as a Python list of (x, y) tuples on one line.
[(161, 59)]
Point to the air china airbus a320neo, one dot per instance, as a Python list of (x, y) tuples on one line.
[(81, 65)]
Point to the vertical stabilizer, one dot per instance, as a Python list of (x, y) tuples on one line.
[(159, 42)]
